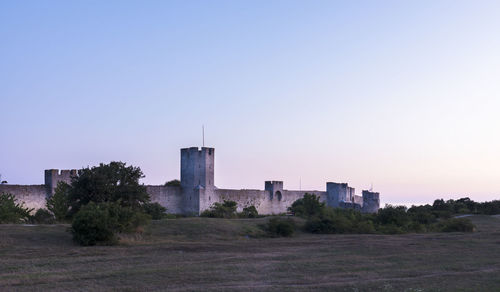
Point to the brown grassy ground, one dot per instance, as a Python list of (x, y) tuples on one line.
[(200, 254)]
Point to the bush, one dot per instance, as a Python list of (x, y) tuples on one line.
[(100, 223), (308, 206), (249, 212), (225, 210), (43, 216), (456, 225), (11, 211), (58, 203), (155, 210), (334, 220), (277, 227)]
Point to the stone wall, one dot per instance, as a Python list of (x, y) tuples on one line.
[(358, 200), (264, 201), (168, 196), (33, 196)]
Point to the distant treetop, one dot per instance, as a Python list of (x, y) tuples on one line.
[(173, 183)]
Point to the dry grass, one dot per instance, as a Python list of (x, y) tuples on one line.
[(200, 254)]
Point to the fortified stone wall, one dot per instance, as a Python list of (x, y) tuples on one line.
[(264, 201), (198, 192), (33, 196), (168, 196)]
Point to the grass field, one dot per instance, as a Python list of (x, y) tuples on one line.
[(202, 254)]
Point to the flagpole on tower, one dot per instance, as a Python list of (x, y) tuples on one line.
[(203, 134)]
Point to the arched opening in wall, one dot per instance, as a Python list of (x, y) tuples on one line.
[(278, 195)]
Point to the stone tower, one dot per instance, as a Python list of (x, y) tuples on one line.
[(197, 177), (339, 192), (275, 189), (53, 176), (371, 202)]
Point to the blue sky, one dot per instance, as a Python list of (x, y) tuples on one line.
[(401, 94)]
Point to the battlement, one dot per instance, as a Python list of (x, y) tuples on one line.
[(273, 183), (198, 150)]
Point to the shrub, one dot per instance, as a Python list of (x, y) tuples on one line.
[(330, 221), (225, 210), (43, 216), (100, 223), (308, 206), (365, 227), (277, 227), (155, 210), (456, 225), (11, 211), (249, 212), (58, 203), (390, 229)]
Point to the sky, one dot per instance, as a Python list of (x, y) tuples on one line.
[(401, 95)]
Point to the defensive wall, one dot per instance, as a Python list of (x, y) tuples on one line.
[(197, 191)]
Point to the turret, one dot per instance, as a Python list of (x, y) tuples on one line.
[(197, 177), (53, 176), (338, 192), (275, 189), (371, 202), (197, 167)]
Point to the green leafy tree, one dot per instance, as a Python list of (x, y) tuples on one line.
[(308, 206), (113, 182), (173, 183), (58, 203), (11, 211)]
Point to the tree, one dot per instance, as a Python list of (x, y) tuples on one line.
[(113, 182), (308, 206), (58, 203), (11, 211), (173, 183)]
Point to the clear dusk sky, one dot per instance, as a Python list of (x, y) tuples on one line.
[(401, 94)]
